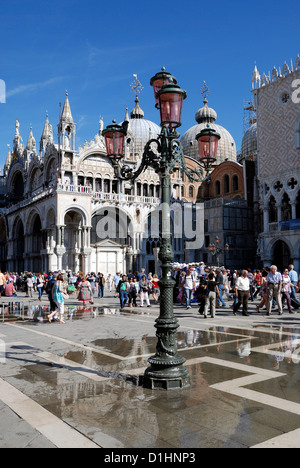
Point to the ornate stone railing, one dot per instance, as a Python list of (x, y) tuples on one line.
[(127, 199)]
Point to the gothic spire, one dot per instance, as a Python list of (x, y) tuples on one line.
[(47, 136), (66, 113), (31, 144)]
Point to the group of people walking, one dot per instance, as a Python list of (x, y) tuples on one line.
[(192, 285), (208, 288), (273, 287), (139, 285)]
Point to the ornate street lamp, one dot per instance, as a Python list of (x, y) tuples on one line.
[(208, 140), (214, 249), (114, 136), (158, 81), (164, 155)]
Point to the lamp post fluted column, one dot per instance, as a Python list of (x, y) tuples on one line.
[(167, 370)]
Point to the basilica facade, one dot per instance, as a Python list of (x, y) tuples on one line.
[(63, 209)]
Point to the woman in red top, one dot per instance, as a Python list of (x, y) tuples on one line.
[(257, 278), (257, 282), (155, 288)]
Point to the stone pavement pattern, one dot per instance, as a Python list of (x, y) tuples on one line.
[(77, 384)]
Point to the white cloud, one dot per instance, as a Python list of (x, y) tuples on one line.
[(30, 88)]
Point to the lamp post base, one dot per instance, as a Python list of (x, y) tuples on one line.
[(160, 378)]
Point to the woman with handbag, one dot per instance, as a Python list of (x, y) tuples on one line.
[(144, 289), (59, 296)]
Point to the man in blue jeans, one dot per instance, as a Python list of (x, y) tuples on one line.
[(294, 281), (123, 287), (189, 286), (220, 284)]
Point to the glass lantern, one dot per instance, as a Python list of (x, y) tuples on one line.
[(114, 140), (208, 140), (158, 81), (171, 98)]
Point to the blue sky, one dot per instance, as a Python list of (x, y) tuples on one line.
[(92, 49)]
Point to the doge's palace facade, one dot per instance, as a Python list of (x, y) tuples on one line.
[(278, 163)]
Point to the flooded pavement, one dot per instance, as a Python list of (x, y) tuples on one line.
[(20, 311), (87, 375)]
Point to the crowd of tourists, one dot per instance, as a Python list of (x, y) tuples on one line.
[(194, 284), (59, 286), (211, 287)]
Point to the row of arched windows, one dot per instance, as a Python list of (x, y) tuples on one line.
[(227, 185), (285, 207)]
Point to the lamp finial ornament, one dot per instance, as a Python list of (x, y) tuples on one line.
[(205, 92), (136, 86)]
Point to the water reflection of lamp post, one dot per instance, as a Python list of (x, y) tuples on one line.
[(156, 258), (215, 249), (164, 155)]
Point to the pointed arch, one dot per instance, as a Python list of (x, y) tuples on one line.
[(273, 213), (18, 244), (286, 208)]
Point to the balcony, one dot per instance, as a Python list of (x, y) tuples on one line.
[(292, 225), (125, 199), (273, 227), (42, 193), (70, 188), (107, 197), (35, 196)]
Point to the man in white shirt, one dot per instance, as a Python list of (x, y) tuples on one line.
[(189, 285), (242, 291)]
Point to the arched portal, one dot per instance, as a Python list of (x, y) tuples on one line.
[(17, 188), (281, 255), (37, 244), (112, 223), (19, 246), (75, 240), (298, 206), (3, 245), (112, 237)]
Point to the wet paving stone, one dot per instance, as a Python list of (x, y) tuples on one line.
[(245, 379)]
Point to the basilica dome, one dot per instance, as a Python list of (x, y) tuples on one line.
[(249, 143), (227, 147), (140, 130)]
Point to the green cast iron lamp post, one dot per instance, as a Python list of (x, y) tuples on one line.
[(164, 155)]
